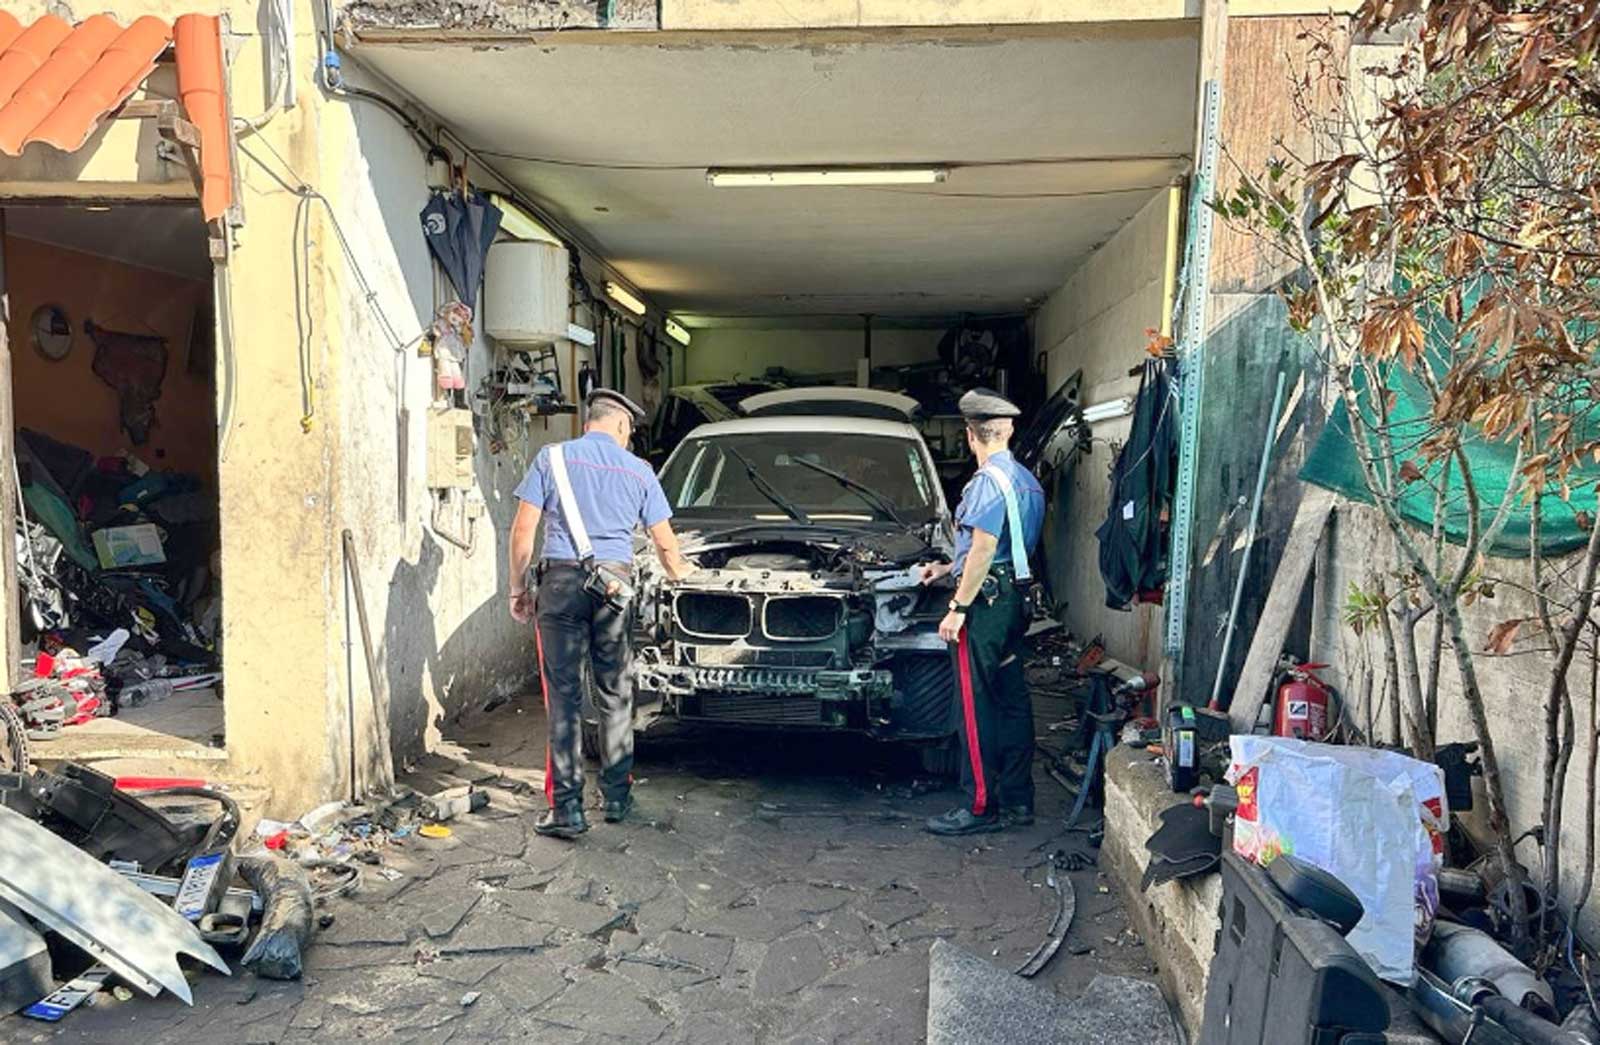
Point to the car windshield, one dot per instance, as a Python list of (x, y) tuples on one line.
[(705, 479)]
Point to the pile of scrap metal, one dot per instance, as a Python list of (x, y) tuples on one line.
[(1294, 948), (105, 890), (1112, 704), (110, 544)]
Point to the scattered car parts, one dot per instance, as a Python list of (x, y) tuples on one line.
[(132, 933)]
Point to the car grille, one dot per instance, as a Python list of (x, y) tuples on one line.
[(764, 710), (755, 657), (804, 618), (713, 616)]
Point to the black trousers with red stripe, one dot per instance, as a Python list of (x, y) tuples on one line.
[(574, 627), (995, 713)]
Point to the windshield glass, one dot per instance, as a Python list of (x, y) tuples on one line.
[(704, 479)]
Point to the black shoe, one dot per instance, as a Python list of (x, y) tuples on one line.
[(564, 821), (962, 822), (617, 809), (1017, 816)]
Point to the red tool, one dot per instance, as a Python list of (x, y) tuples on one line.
[(1304, 704)]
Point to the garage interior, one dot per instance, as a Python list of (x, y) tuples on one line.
[(114, 399), (1050, 246)]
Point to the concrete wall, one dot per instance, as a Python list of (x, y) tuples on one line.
[(1513, 686), (1097, 322), (784, 14), (65, 399), (720, 353)]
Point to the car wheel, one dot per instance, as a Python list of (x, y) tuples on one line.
[(942, 759), (589, 713), (13, 739), (925, 696)]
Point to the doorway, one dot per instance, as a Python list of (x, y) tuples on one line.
[(112, 329)]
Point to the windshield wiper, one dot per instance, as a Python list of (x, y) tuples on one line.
[(867, 493), (762, 483)]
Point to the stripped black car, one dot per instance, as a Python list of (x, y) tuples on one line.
[(806, 611)]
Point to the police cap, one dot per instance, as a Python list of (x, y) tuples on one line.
[(984, 404), (612, 397)]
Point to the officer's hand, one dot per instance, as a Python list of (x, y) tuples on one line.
[(950, 627), (929, 572), (522, 607)]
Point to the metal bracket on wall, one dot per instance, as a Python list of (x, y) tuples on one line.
[(1191, 361)]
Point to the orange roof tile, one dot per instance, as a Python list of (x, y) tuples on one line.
[(58, 81)]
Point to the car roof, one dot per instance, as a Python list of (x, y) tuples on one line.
[(832, 400), (847, 425)]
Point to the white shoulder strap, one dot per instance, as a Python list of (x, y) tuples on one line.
[(1019, 540), (569, 504)]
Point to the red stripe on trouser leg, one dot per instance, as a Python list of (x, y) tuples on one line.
[(980, 800), (544, 689)]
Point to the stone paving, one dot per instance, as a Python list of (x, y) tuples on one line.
[(768, 890)]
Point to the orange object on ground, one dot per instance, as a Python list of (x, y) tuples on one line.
[(201, 86), (58, 82)]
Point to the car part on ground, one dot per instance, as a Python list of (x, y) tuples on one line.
[(1279, 966), (134, 934), (24, 961), (87, 810), (1066, 907)]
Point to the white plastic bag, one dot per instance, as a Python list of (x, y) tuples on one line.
[(1374, 819)]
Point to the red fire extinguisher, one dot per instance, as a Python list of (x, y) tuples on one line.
[(1304, 703)]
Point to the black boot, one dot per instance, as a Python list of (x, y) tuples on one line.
[(563, 821), (618, 808), (1017, 816), (962, 822)]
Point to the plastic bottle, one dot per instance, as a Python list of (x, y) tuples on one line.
[(148, 692)]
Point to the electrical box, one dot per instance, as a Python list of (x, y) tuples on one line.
[(450, 444), (525, 292)]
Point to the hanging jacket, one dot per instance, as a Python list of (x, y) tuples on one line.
[(1133, 547)]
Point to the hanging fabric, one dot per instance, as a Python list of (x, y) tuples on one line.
[(1133, 539)]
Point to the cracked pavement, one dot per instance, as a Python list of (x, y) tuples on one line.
[(768, 889)]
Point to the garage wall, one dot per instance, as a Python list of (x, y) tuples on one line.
[(1097, 321), (721, 353), (65, 399)]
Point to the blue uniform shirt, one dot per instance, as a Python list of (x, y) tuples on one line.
[(615, 491), (983, 507)]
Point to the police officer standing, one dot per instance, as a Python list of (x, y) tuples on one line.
[(592, 493), (997, 524)]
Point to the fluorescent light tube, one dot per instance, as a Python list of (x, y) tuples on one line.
[(580, 335), (518, 223), (789, 176), (1111, 408), (676, 332), (622, 296)]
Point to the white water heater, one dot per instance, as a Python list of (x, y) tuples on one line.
[(525, 292)]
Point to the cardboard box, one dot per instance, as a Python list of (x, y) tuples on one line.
[(120, 546)]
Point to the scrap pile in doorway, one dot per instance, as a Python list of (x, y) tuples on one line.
[(106, 884), (117, 566)]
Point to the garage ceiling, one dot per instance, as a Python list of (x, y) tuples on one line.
[(1055, 138)]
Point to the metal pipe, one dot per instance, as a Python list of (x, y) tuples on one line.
[(354, 575), (1476, 967), (1249, 541)]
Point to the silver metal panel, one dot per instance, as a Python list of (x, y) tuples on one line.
[(134, 934)]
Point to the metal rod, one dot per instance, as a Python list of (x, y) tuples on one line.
[(1249, 540), (354, 575)]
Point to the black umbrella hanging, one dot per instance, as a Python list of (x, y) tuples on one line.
[(459, 229)]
